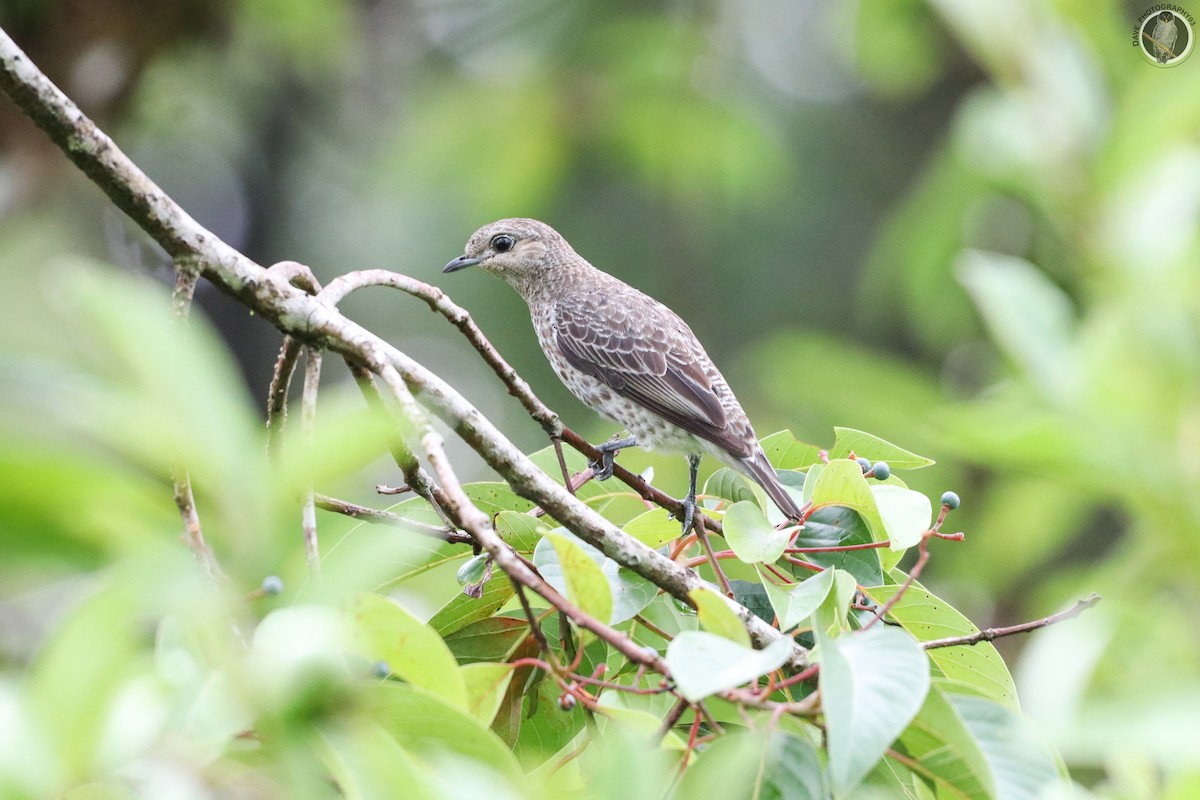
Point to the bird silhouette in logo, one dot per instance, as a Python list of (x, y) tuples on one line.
[(1163, 37)]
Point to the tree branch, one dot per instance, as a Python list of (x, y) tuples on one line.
[(989, 634)]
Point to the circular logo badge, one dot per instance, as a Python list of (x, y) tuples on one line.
[(1164, 35)]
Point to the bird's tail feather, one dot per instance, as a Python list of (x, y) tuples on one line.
[(759, 468)]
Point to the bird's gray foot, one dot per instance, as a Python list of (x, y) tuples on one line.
[(688, 512), (602, 468)]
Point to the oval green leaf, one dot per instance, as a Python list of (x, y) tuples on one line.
[(486, 685), (796, 603), (577, 576), (717, 617), (704, 663), (630, 591), (380, 629), (864, 445), (928, 617), (751, 536), (872, 685), (906, 514)]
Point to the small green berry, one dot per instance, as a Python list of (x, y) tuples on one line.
[(865, 464), (272, 585), (950, 500), (881, 470)]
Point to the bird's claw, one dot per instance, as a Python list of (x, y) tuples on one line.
[(687, 512), (602, 468)]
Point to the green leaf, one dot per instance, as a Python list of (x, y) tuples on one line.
[(784, 451), (575, 573), (442, 728), (704, 663), (492, 498), (872, 685), (668, 615), (836, 526), (753, 596), (751, 536), (654, 528), (735, 487), (491, 639), (928, 617), (717, 617), (767, 766), (365, 761), (906, 514), (520, 530), (833, 615), (811, 479), (796, 603), (629, 592), (864, 445), (842, 483), (791, 770), (485, 686), (463, 609), (939, 740), (382, 630), (544, 727), (1023, 763), (73, 682)]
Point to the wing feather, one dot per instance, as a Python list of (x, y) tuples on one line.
[(645, 353)]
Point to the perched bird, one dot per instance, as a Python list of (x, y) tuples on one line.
[(1164, 35), (624, 354)]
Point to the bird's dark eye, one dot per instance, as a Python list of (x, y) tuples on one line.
[(502, 243)]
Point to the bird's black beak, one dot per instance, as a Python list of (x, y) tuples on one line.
[(462, 262)]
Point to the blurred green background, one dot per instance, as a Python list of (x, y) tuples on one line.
[(967, 227)]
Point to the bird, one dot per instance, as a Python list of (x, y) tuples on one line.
[(625, 355), (1164, 36)]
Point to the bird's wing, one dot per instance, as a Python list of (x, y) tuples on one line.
[(645, 353)]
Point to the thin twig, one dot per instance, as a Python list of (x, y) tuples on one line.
[(989, 634), (380, 517), (913, 574), (193, 534), (670, 719), (308, 422), (702, 536), (281, 380), (301, 277), (562, 463), (535, 627)]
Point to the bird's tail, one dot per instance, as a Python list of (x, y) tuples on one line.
[(759, 468)]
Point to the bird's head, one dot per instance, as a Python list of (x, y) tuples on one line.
[(524, 252), (1166, 16)]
